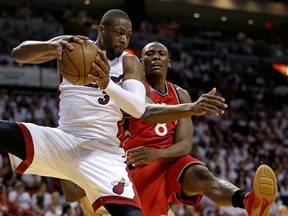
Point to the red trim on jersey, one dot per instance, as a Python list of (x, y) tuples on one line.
[(29, 149), (60, 80), (121, 132)]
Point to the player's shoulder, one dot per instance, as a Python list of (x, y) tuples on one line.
[(180, 89), (183, 94), (129, 56), (132, 63)]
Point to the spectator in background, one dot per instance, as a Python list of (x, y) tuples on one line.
[(282, 211), (67, 210), (78, 211), (5, 58), (20, 198), (276, 205), (57, 202), (31, 182), (283, 189), (51, 211), (41, 197), (38, 205)]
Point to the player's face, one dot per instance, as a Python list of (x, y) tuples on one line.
[(155, 59), (282, 211), (116, 37)]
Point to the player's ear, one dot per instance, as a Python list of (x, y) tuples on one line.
[(141, 61), (100, 29), (169, 63)]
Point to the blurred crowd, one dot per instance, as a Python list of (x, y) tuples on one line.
[(253, 130)]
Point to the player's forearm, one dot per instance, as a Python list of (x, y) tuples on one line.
[(167, 113), (131, 101), (173, 152), (34, 52)]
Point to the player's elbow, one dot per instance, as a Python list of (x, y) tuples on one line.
[(138, 111), (16, 55), (147, 117)]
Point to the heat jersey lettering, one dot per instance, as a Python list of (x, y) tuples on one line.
[(105, 99)]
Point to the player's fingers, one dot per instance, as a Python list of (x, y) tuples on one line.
[(138, 161), (96, 68), (67, 45), (213, 110), (214, 97), (93, 77), (77, 38), (59, 52), (212, 92), (217, 103), (80, 38), (102, 54), (214, 100), (96, 73), (132, 159), (102, 64)]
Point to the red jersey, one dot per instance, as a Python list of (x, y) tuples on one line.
[(159, 183), (153, 135)]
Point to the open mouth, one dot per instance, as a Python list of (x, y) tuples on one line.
[(156, 66), (119, 49)]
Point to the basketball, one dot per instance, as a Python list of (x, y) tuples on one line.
[(75, 65)]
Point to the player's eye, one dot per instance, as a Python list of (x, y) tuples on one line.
[(149, 53)]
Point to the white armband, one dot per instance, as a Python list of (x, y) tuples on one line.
[(130, 98)]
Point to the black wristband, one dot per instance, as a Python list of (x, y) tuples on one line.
[(71, 39)]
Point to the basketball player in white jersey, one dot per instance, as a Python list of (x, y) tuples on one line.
[(86, 147)]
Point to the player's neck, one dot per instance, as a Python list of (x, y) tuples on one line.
[(158, 85)]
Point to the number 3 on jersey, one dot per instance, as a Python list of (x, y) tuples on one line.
[(161, 129)]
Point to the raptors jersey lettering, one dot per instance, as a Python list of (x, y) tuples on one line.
[(153, 135), (91, 110)]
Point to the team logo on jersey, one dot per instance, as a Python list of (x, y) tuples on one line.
[(118, 186)]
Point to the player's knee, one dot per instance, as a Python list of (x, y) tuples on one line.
[(199, 172), (71, 197), (197, 177)]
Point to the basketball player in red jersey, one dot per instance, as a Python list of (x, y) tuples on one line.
[(163, 172), (159, 152)]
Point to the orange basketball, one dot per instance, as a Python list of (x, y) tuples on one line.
[(75, 65)]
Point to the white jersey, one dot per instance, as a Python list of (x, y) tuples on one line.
[(84, 148), (88, 112)]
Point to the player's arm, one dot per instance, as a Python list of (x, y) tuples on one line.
[(37, 52), (131, 97), (207, 103), (181, 147)]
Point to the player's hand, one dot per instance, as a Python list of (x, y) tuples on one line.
[(58, 43), (141, 155), (209, 103), (100, 70)]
